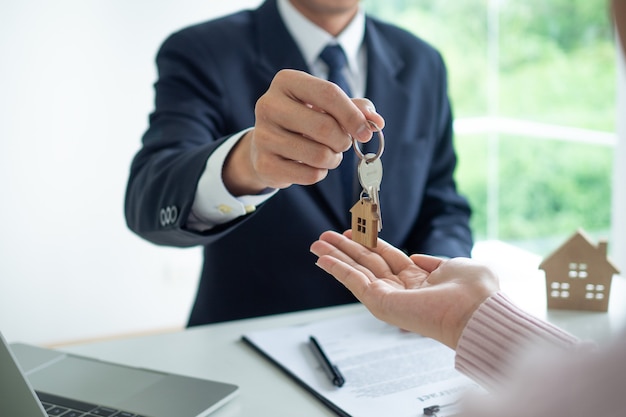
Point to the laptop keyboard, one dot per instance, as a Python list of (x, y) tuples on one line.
[(65, 407)]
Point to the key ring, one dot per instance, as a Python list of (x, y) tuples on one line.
[(381, 146)]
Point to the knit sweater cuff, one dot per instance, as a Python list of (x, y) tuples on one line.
[(497, 335)]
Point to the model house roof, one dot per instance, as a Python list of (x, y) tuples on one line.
[(580, 248)]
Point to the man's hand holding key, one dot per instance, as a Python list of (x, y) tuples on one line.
[(303, 125)]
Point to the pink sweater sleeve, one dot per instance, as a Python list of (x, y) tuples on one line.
[(536, 369), (497, 335)]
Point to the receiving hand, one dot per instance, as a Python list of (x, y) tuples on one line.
[(423, 294), (303, 125)]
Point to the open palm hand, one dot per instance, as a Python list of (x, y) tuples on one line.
[(420, 293)]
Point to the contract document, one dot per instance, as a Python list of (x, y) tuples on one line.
[(387, 371)]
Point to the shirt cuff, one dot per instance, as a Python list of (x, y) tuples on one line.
[(213, 203)]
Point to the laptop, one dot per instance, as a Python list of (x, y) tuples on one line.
[(38, 382)]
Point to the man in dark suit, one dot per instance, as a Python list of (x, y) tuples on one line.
[(245, 153)]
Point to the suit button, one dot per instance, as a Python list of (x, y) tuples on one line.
[(168, 215)]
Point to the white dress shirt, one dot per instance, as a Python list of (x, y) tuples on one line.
[(213, 203)]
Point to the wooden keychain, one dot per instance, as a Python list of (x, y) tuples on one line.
[(366, 219)]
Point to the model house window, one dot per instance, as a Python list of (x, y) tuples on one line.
[(361, 225), (560, 289), (595, 292), (578, 270), (533, 89)]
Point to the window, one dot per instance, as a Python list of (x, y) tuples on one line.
[(532, 84), (559, 290), (578, 270), (594, 292), (361, 225)]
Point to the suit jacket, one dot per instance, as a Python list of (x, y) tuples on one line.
[(210, 77)]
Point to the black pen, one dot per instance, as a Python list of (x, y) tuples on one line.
[(331, 370)]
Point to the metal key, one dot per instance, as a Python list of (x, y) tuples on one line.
[(366, 211), (370, 171)]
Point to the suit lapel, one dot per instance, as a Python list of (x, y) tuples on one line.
[(277, 49), (383, 87)]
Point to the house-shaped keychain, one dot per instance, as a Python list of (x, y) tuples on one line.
[(579, 275), (365, 222)]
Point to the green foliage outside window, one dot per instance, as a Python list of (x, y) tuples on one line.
[(555, 65)]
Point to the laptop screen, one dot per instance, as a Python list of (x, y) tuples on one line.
[(17, 398)]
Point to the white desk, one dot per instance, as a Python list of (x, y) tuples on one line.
[(217, 352)]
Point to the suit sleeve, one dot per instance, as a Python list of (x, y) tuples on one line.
[(185, 128)]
